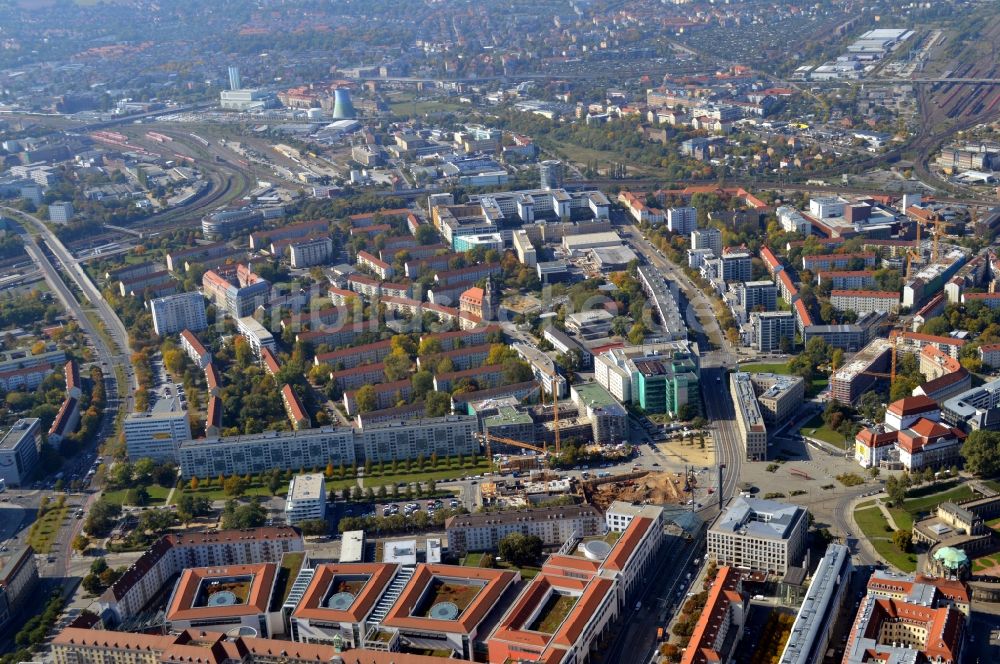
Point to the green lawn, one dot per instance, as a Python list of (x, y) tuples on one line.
[(215, 492), (766, 367), (903, 519), (473, 559), (291, 563), (916, 506), (873, 524), (375, 480), (157, 495), (815, 428), (43, 532)]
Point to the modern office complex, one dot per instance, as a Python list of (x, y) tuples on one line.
[(749, 421), (184, 311), (306, 498), (977, 408), (19, 448), (224, 598), (158, 433), (779, 395), (661, 378), (759, 535)]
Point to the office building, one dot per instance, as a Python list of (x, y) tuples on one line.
[(770, 327), (720, 625), (759, 535), (976, 408), (184, 311), (237, 291), (758, 295), (683, 220), (779, 396), (306, 498), (310, 252), (172, 554), (524, 248), (660, 378), (577, 244), (620, 514), (19, 448), (707, 238), (553, 525), (226, 598), (551, 174), (247, 100), (824, 207), (291, 450), (18, 578), (818, 614), (566, 344), (792, 221), (608, 418), (749, 421), (61, 212), (158, 433), (257, 336)]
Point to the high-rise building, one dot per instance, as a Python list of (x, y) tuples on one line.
[(19, 448), (749, 421), (178, 312), (234, 78), (682, 220), (707, 238), (158, 433), (306, 498), (61, 212), (551, 174), (770, 327)]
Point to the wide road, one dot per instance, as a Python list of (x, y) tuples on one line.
[(113, 356), (635, 640), (700, 315)]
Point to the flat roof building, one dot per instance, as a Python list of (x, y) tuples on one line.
[(779, 396), (759, 535), (749, 421), (818, 614), (158, 433), (19, 449), (306, 499)]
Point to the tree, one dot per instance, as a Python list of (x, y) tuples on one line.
[(328, 473), (520, 550), (397, 366), (637, 334), (274, 483), (81, 542), (193, 483), (250, 515), (138, 496), (423, 382), (366, 399), (981, 451), (314, 527), (896, 489), (235, 486), (437, 404), (902, 539)]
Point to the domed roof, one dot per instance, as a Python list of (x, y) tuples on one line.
[(951, 557)]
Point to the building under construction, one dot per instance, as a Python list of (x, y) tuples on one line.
[(856, 377)]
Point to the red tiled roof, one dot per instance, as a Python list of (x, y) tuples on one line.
[(627, 543), (185, 596), (912, 406), (882, 295), (311, 607), (700, 649)]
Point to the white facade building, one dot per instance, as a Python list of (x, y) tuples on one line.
[(682, 219), (759, 535), (306, 498), (184, 311), (157, 434)]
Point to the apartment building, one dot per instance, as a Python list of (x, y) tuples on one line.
[(757, 295), (759, 535), (350, 358), (707, 238), (827, 262), (735, 266), (257, 336), (195, 349), (865, 301), (309, 252), (814, 623), (396, 439), (749, 421), (376, 265), (184, 311), (720, 624), (857, 375), (682, 220), (158, 433), (770, 327), (847, 279), (18, 578), (237, 292)]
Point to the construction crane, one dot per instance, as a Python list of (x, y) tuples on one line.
[(487, 437), (892, 372), (555, 403)]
